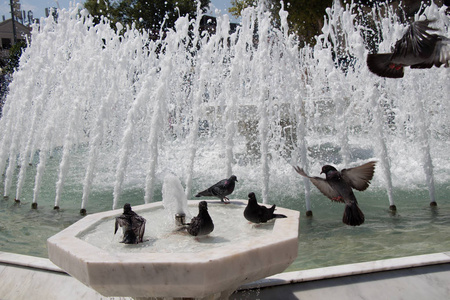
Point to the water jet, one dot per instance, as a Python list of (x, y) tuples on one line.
[(217, 114), (180, 219)]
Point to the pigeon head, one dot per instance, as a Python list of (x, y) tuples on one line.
[(233, 178), (251, 197), (328, 168), (203, 205), (126, 208)]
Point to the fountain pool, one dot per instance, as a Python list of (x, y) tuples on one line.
[(415, 229), (163, 236)]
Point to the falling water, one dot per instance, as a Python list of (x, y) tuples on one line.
[(118, 111), (382, 146)]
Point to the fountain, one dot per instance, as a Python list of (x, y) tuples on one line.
[(170, 263), (125, 112), (103, 117)]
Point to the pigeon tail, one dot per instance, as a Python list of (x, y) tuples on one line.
[(204, 193), (129, 237), (279, 216), (353, 216), (272, 209)]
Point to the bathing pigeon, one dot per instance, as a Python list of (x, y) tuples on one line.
[(202, 224), (133, 226), (338, 187), (256, 213), (221, 189), (419, 48)]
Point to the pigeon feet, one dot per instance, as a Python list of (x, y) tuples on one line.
[(338, 199), (395, 67)]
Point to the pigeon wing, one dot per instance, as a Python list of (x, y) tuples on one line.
[(359, 177), (121, 221), (417, 40), (263, 214), (219, 189), (321, 184), (194, 226), (139, 227), (380, 64), (213, 190), (116, 226), (441, 56)]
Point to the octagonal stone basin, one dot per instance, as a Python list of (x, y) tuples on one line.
[(173, 264)]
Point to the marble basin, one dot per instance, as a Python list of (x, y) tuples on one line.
[(206, 272)]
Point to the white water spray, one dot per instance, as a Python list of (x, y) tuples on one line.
[(123, 109)]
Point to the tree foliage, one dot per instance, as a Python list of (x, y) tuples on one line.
[(14, 56), (101, 8), (146, 14), (305, 17), (237, 6)]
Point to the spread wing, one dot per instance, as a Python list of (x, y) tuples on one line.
[(417, 40), (359, 177), (139, 227), (321, 184), (121, 221)]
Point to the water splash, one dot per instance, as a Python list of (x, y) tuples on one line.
[(174, 198), (124, 110)]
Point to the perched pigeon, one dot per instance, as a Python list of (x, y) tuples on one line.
[(221, 189), (338, 187), (256, 213), (419, 48), (202, 224), (133, 226)]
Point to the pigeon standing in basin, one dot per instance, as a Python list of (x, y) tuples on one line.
[(221, 189), (419, 48), (202, 224), (256, 213), (132, 224), (338, 187)]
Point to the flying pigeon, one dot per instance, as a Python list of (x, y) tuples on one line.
[(338, 187), (132, 224), (256, 213), (221, 189), (202, 224), (419, 48)]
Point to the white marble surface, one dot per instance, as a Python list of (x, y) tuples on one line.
[(175, 274), (430, 282), (407, 262), (414, 277)]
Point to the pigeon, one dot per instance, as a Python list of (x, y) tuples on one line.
[(133, 226), (419, 48), (338, 187), (202, 224), (256, 213), (221, 189)]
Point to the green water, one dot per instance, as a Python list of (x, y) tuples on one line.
[(416, 228), (324, 240)]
